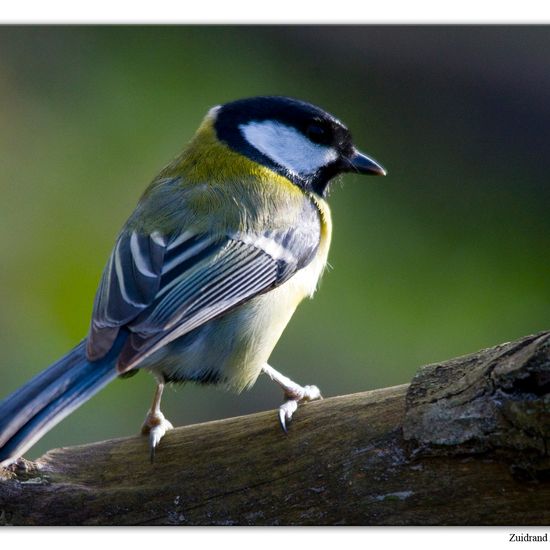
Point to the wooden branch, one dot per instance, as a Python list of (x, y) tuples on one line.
[(465, 443)]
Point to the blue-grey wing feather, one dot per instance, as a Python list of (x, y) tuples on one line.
[(130, 281)]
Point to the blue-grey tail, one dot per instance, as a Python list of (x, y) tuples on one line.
[(34, 409)]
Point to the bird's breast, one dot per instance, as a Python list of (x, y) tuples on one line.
[(262, 320)]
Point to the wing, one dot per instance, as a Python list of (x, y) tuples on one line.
[(161, 287), (129, 283)]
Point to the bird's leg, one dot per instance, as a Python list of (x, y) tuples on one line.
[(155, 424), (294, 394)]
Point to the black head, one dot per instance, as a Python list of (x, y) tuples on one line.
[(294, 138)]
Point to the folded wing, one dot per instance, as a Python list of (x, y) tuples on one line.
[(161, 287)]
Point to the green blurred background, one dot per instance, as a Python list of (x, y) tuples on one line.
[(446, 255)]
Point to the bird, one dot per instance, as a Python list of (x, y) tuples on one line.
[(208, 269)]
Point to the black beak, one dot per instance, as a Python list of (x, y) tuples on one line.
[(360, 163)]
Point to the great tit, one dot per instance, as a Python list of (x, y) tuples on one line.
[(206, 273)]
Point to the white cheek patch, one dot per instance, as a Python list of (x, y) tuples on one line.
[(287, 146)]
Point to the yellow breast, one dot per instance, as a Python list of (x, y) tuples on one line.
[(263, 319)]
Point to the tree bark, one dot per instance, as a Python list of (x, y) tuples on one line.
[(467, 442)]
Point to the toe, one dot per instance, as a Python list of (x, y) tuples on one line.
[(311, 393), (156, 434), (286, 410)]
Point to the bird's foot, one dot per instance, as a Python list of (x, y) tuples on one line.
[(155, 426), (294, 394), (294, 397)]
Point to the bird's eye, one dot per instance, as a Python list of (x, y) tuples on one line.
[(318, 133)]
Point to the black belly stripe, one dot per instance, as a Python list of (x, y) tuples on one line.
[(205, 377)]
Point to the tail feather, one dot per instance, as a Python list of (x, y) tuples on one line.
[(31, 411)]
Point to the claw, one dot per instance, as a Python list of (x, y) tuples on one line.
[(155, 426), (155, 435), (282, 421)]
